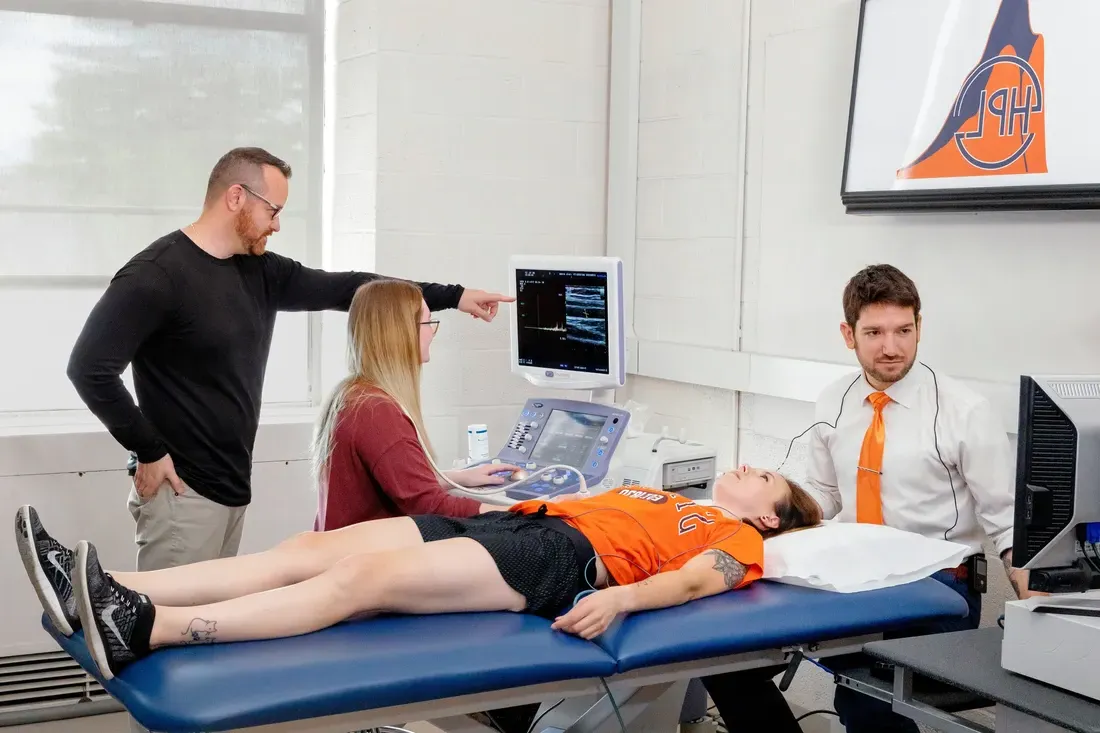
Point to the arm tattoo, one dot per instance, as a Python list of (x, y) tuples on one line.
[(1007, 560), (732, 571), (200, 631)]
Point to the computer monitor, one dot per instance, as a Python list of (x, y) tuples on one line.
[(1057, 476), (567, 321)]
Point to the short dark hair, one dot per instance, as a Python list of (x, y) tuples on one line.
[(242, 165), (879, 285), (797, 511)]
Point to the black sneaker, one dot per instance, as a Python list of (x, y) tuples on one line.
[(49, 566), (117, 621)]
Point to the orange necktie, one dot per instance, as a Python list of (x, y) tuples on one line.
[(869, 472)]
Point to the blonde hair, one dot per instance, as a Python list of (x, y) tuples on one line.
[(383, 356)]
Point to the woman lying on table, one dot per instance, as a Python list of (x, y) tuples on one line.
[(637, 548)]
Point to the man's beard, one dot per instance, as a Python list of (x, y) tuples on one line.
[(889, 378), (245, 228)]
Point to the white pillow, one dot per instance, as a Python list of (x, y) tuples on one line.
[(848, 557)]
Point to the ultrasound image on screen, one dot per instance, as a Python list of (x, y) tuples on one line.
[(567, 438), (562, 320)]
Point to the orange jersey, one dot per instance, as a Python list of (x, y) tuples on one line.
[(638, 532)]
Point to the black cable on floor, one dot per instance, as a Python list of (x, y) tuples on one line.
[(536, 720)]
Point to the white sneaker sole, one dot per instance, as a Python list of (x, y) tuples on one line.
[(46, 595), (92, 636)]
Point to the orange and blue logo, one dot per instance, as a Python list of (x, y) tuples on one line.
[(997, 124)]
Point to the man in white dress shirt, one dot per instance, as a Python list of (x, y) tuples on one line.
[(910, 449), (895, 444)]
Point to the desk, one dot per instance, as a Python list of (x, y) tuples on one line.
[(971, 661)]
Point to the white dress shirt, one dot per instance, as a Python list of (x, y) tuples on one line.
[(916, 494)]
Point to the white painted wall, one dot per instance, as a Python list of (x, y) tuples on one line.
[(687, 282), (488, 134), (688, 144)]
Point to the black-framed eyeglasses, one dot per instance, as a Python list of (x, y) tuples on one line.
[(434, 325), (275, 210)]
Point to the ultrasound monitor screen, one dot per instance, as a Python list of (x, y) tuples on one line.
[(562, 320), (567, 438)]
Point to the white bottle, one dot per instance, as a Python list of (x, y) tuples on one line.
[(477, 442)]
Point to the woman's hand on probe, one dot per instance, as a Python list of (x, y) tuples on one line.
[(482, 475)]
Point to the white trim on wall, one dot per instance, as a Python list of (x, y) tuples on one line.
[(742, 169), (624, 89), (783, 377), (178, 13)]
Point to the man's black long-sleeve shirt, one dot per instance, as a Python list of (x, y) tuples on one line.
[(197, 330)]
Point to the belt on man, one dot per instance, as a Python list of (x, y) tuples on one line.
[(961, 572)]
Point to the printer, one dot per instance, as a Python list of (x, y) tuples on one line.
[(660, 461)]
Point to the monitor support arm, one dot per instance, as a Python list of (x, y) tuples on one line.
[(1081, 576)]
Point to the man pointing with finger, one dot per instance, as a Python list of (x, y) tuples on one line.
[(194, 314)]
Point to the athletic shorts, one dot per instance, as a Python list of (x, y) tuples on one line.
[(540, 557)]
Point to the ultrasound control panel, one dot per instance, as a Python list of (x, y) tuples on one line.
[(551, 432)]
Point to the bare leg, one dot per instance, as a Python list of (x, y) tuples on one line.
[(299, 558), (453, 575)]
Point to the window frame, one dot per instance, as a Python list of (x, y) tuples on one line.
[(309, 23)]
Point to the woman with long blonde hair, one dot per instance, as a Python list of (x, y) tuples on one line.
[(371, 453)]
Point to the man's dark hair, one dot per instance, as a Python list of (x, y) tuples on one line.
[(879, 285), (242, 165)]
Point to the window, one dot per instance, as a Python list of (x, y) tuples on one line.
[(114, 112)]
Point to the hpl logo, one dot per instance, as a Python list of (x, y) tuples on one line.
[(1010, 108), (997, 124)]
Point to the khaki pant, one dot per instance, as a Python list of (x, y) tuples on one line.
[(180, 530)]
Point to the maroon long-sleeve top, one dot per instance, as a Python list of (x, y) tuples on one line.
[(377, 469)]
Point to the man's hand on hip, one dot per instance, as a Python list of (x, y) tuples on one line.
[(149, 477), (482, 304)]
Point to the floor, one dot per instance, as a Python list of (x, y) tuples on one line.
[(118, 723), (112, 723)]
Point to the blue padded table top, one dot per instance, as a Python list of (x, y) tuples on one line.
[(399, 660), (346, 668), (768, 615)]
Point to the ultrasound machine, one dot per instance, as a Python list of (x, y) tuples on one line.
[(566, 334)]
